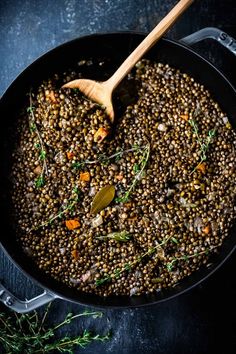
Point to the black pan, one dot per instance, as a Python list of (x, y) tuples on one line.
[(112, 49)]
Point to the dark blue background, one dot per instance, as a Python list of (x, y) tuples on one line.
[(203, 320)]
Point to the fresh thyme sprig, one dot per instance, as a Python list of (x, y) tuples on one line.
[(64, 209), (28, 334), (104, 159), (138, 169), (128, 266), (119, 236), (40, 181), (171, 264), (204, 144)]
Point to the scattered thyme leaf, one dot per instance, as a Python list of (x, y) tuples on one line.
[(32, 127), (136, 168), (42, 155), (28, 333), (138, 175), (173, 239), (204, 144), (40, 182), (119, 236), (77, 165), (101, 281)]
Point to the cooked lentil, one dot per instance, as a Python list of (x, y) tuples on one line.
[(171, 161)]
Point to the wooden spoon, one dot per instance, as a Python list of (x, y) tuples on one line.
[(101, 92)]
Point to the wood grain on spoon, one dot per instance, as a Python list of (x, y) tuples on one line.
[(101, 92)]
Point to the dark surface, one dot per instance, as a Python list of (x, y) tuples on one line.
[(203, 320)]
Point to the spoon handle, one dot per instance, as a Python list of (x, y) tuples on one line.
[(147, 43)]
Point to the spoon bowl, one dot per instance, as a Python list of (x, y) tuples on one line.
[(101, 92)]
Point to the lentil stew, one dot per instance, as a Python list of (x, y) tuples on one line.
[(128, 212)]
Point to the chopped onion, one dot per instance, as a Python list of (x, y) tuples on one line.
[(198, 224), (59, 158), (85, 276), (62, 250), (92, 191), (74, 281), (214, 226), (225, 120), (162, 127), (182, 201), (133, 291), (137, 274), (170, 192), (97, 221)]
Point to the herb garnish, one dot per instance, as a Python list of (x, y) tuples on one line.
[(171, 264), (28, 333), (63, 210), (138, 169), (40, 181), (119, 236), (130, 265), (102, 158), (204, 144)]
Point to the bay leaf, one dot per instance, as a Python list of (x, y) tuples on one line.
[(102, 199)]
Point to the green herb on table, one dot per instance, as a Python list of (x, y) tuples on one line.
[(29, 334)]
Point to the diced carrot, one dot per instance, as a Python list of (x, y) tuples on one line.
[(52, 96), (184, 116), (38, 170), (70, 155), (84, 176), (75, 254), (207, 229), (119, 177), (72, 224), (202, 167), (128, 205), (100, 134)]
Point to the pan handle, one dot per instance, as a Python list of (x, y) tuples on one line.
[(24, 306), (211, 33)]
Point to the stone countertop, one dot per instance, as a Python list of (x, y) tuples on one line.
[(202, 320)]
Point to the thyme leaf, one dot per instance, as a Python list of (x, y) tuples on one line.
[(138, 175), (128, 266), (29, 333), (102, 158), (185, 257), (40, 181), (204, 144), (120, 236)]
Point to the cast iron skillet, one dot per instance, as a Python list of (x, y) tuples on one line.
[(112, 49)]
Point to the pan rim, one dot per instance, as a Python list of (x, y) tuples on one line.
[(114, 306)]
